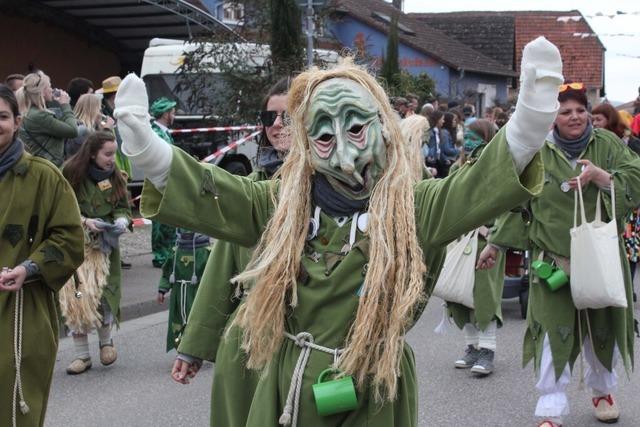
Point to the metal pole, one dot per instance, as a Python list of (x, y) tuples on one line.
[(309, 33)]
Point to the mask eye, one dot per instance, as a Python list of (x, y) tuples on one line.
[(355, 129), (325, 137)]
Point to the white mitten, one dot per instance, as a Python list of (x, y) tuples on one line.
[(140, 143), (540, 79)]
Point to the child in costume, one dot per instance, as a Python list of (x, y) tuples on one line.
[(345, 239), (181, 275), (480, 323), (40, 248), (92, 298)]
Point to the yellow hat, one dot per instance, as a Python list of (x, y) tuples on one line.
[(626, 118), (110, 85)]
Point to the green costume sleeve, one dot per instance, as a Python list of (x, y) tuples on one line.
[(510, 231), (65, 127), (63, 250), (122, 209), (474, 195), (209, 200), (214, 303), (624, 166)]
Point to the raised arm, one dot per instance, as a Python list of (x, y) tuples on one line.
[(181, 191)]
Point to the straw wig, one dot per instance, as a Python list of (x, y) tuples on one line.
[(393, 284)]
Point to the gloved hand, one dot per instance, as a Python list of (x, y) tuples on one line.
[(540, 79), (121, 224), (140, 143)]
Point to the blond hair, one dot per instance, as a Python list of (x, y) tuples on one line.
[(393, 284), (34, 85), (22, 101), (87, 110), (413, 129)]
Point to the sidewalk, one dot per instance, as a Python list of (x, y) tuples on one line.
[(140, 283)]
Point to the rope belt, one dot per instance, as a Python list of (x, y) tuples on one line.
[(304, 340), (17, 353)]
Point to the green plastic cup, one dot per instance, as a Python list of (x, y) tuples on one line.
[(543, 269), (334, 396), (557, 280)]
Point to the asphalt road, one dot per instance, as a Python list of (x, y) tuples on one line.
[(137, 390)]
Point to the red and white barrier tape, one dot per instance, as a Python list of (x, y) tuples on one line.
[(214, 129), (140, 222), (230, 147)]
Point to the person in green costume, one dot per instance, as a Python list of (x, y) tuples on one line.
[(480, 323), (101, 191), (557, 333), (40, 248), (345, 238), (163, 111), (217, 298), (181, 275)]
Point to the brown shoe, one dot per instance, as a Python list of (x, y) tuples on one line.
[(78, 366), (606, 410), (108, 354)]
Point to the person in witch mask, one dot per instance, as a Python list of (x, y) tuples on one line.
[(345, 239)]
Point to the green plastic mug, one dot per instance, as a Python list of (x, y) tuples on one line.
[(543, 269), (334, 396), (557, 279)]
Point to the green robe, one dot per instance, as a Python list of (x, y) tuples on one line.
[(94, 203), (488, 284), (328, 297), (162, 236), (553, 313), (184, 271), (215, 303), (40, 221)]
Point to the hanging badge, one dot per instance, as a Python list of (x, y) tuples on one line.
[(565, 186), (104, 185)]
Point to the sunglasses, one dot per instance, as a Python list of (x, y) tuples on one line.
[(574, 86), (268, 117)]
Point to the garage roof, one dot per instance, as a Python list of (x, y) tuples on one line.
[(124, 26)]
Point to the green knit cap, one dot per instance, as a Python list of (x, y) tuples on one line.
[(161, 105)]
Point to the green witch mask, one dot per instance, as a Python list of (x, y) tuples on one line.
[(345, 134)]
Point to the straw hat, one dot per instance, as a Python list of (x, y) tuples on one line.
[(110, 85)]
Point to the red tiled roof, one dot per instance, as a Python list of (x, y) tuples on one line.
[(583, 57), (425, 38)]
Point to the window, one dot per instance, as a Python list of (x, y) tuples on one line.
[(231, 12)]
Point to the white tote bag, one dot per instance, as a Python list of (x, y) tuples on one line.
[(458, 274), (596, 278)]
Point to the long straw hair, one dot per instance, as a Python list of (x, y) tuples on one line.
[(393, 284), (413, 129)]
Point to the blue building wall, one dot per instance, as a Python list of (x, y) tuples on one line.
[(356, 35)]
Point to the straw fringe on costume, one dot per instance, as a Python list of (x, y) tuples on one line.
[(81, 314)]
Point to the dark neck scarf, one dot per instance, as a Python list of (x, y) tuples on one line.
[(11, 156), (332, 202), (572, 147), (96, 174), (269, 160), (189, 240)]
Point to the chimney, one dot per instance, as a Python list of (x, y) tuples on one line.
[(398, 4)]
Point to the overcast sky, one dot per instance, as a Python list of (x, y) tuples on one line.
[(620, 34)]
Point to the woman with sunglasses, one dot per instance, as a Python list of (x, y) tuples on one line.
[(40, 248), (42, 131), (217, 298), (557, 332)]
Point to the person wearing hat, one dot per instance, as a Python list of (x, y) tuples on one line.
[(163, 111)]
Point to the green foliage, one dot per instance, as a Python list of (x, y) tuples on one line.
[(390, 71), (421, 85), (286, 37)]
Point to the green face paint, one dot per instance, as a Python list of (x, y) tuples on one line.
[(345, 134)]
